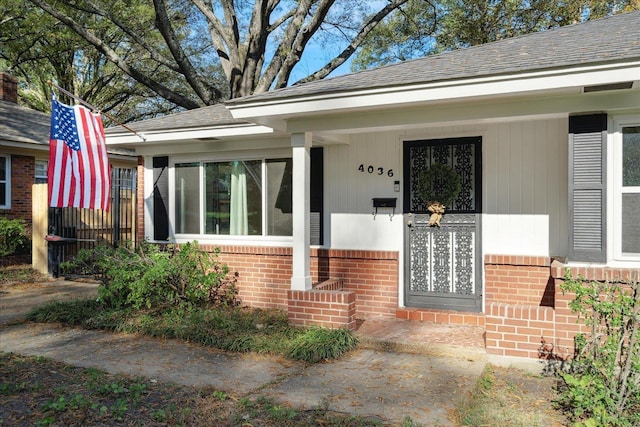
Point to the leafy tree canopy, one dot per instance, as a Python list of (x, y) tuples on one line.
[(424, 28), (185, 53)]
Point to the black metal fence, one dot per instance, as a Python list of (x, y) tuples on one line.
[(73, 229)]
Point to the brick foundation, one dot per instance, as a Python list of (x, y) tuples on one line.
[(527, 315), (370, 277)]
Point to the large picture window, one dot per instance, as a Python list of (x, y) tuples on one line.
[(240, 198), (5, 181)]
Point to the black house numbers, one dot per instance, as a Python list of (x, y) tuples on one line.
[(375, 170)]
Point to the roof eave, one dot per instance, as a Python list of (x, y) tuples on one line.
[(495, 86), (127, 139)]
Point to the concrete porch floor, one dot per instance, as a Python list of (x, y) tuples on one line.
[(422, 337)]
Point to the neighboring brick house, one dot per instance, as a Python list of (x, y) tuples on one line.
[(24, 152), (313, 193)]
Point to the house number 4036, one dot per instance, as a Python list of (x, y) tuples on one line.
[(371, 169)]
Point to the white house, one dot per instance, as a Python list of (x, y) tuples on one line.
[(313, 192)]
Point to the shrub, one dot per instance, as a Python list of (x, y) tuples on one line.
[(151, 275), (320, 343), (603, 383), (14, 239)]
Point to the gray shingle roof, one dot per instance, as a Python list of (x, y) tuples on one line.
[(612, 39), (20, 124), (213, 115)]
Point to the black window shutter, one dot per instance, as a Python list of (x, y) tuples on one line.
[(317, 191), (587, 188), (160, 198)]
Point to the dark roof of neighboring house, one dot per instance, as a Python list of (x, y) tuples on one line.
[(612, 39), (213, 115), (20, 124), (23, 125)]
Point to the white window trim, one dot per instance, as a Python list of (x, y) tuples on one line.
[(202, 238), (7, 160), (35, 175), (615, 186)]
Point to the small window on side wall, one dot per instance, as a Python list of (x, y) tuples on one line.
[(5, 182), (40, 174), (630, 192)]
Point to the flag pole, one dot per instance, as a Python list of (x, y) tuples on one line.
[(86, 104)]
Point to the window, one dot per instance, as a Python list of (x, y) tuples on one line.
[(241, 197), (5, 181), (41, 171), (629, 202)]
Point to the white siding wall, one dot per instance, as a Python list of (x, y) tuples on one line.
[(524, 187), (348, 193)]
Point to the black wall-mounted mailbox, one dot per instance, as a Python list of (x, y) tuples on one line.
[(380, 202)]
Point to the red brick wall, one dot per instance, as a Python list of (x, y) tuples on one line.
[(518, 280), (527, 315), (8, 88), (265, 276), (264, 273), (22, 178), (519, 300), (371, 275), (331, 309)]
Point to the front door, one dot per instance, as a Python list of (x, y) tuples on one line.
[(443, 268)]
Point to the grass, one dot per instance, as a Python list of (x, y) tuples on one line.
[(41, 392), (20, 274), (509, 397), (237, 329)]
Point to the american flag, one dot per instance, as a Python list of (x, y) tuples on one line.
[(78, 173)]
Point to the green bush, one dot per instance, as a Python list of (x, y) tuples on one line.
[(320, 343), (603, 383), (14, 239), (151, 275)]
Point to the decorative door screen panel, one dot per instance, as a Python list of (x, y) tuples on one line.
[(443, 268), (442, 259), (461, 157)]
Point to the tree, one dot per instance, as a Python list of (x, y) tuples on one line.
[(172, 49), (37, 49), (453, 24)]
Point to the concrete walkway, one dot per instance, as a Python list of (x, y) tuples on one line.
[(423, 381)]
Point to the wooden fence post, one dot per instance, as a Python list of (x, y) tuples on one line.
[(39, 259)]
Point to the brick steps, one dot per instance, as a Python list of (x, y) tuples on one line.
[(440, 316)]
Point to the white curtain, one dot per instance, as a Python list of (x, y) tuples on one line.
[(239, 223)]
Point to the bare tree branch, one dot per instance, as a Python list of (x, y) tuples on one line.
[(355, 42), (285, 46), (208, 94), (302, 38), (222, 39), (155, 55), (160, 89)]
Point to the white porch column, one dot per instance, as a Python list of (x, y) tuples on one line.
[(301, 143)]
